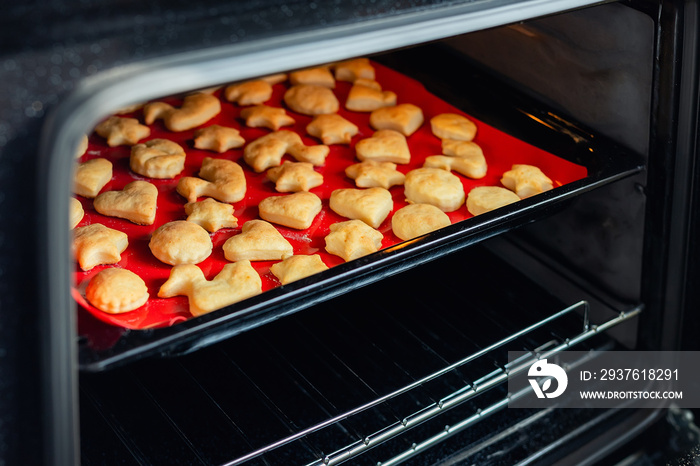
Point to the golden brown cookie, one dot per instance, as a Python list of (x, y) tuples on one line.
[(267, 151), (218, 138), (526, 180), (296, 210), (136, 202), (320, 76), (249, 92), (370, 205), (75, 212), (372, 174), (91, 177), (266, 117), (366, 96), (291, 177), (295, 268), (453, 126), (116, 290), (416, 220), (211, 215), (385, 145), (196, 110), (404, 118), (221, 179), (352, 70), (309, 99), (234, 283), (121, 131), (97, 244), (180, 242), (82, 146), (258, 241), (332, 129), (352, 239), (471, 167), (463, 149), (157, 158), (486, 198), (435, 187)]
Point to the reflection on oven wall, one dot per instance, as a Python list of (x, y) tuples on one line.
[(596, 66)]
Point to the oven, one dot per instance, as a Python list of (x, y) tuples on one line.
[(399, 356)]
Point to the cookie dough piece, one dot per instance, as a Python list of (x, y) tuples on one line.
[(372, 174), (367, 95), (196, 110), (486, 198), (120, 131), (234, 283), (97, 244), (180, 242), (474, 167), (404, 118), (332, 129), (258, 241), (218, 138), (221, 179), (371, 205), (157, 158), (435, 187), (249, 93), (320, 76), (91, 177), (75, 212), (267, 117), (309, 99), (352, 239), (453, 126), (292, 177), (211, 215), (352, 70), (295, 268), (296, 210), (526, 180), (267, 151), (115, 291), (137, 203), (386, 145), (416, 220)]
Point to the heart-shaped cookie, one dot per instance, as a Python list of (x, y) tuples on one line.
[(258, 241), (370, 205), (136, 203), (385, 145)]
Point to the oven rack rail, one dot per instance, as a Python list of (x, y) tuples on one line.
[(486, 382)]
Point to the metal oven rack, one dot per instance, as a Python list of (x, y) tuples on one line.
[(325, 386)]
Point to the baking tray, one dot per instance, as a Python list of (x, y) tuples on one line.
[(582, 162)]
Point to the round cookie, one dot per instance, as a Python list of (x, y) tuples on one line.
[(116, 290), (434, 186), (416, 220), (310, 99), (180, 242)]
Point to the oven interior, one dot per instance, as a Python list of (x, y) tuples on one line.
[(412, 368)]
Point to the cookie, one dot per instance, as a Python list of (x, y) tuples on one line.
[(267, 151), (319, 76), (211, 215), (257, 241), (295, 268), (474, 168), (487, 198), (218, 138), (221, 179), (404, 118), (367, 95), (91, 176), (120, 131), (370, 205), (385, 145), (352, 70), (463, 149), (249, 93), (453, 126), (309, 99), (372, 174), (266, 117), (291, 177), (83, 146), (416, 220), (234, 283), (296, 210), (352, 239), (97, 244), (435, 187), (157, 158), (180, 242), (196, 110), (115, 291), (75, 212), (332, 129), (526, 180), (136, 202)]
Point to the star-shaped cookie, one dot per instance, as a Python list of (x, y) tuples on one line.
[(218, 138), (266, 117), (211, 215), (371, 174), (291, 177), (120, 131), (97, 244)]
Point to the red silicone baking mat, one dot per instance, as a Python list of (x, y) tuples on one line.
[(500, 149)]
